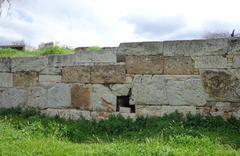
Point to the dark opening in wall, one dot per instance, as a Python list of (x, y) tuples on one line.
[(123, 102)]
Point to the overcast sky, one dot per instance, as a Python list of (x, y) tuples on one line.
[(109, 22)]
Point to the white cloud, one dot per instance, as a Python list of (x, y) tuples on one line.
[(109, 22)]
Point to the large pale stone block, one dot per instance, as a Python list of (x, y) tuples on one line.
[(49, 79), (25, 79), (178, 66), (77, 74), (6, 80), (98, 116), (59, 96), (51, 71), (176, 48), (148, 89), (159, 111), (108, 74), (103, 99), (140, 48), (81, 97), (144, 64), (210, 62), (222, 85), (5, 64), (236, 61), (121, 89), (37, 98), (188, 91), (13, 97), (29, 64)]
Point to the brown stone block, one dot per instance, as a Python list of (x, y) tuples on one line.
[(178, 66), (144, 64), (81, 97), (25, 79), (108, 74), (77, 74)]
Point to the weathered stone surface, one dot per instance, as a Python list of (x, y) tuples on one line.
[(210, 62), (103, 99), (25, 79), (68, 114), (125, 115), (108, 74), (188, 91), (5, 64), (140, 48), (120, 89), (236, 61), (144, 64), (29, 64), (98, 116), (51, 71), (143, 110), (59, 96), (37, 98), (6, 80), (222, 85), (81, 97), (124, 110), (49, 79), (176, 48), (178, 66), (148, 89), (78, 74), (13, 97)]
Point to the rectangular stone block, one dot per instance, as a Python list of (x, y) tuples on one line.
[(5, 64), (144, 64), (25, 79), (187, 91), (51, 71), (103, 99), (236, 61), (179, 66), (176, 48), (140, 48), (37, 98), (108, 74), (81, 97), (121, 89), (6, 80), (211, 62), (49, 79), (124, 109), (29, 64), (148, 90), (77, 74)]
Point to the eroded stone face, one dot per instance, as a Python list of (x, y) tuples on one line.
[(221, 85), (5, 64), (37, 98), (176, 48), (211, 62), (49, 79), (120, 89), (178, 66), (25, 79), (103, 99), (144, 64), (108, 74), (77, 74), (6, 80), (148, 89), (81, 97)]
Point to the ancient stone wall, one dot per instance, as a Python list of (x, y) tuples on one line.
[(134, 79)]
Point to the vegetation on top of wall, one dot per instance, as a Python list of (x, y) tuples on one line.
[(94, 49), (35, 53), (29, 133)]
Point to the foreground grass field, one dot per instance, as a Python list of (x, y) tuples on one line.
[(28, 133)]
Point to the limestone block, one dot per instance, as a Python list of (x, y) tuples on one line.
[(178, 66), (148, 89), (49, 79), (98, 116), (29, 64), (25, 79), (67, 114), (59, 96), (6, 80), (120, 89), (81, 97), (188, 92), (13, 97), (37, 98), (176, 48), (124, 109), (210, 62), (144, 64), (5, 64), (234, 46), (51, 71), (108, 74), (222, 85), (125, 115), (103, 99), (61, 60), (236, 61), (140, 48), (77, 74), (159, 111)]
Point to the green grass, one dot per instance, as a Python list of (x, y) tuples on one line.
[(94, 49), (29, 133), (39, 52)]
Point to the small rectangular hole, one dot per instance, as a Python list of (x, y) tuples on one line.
[(123, 101)]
